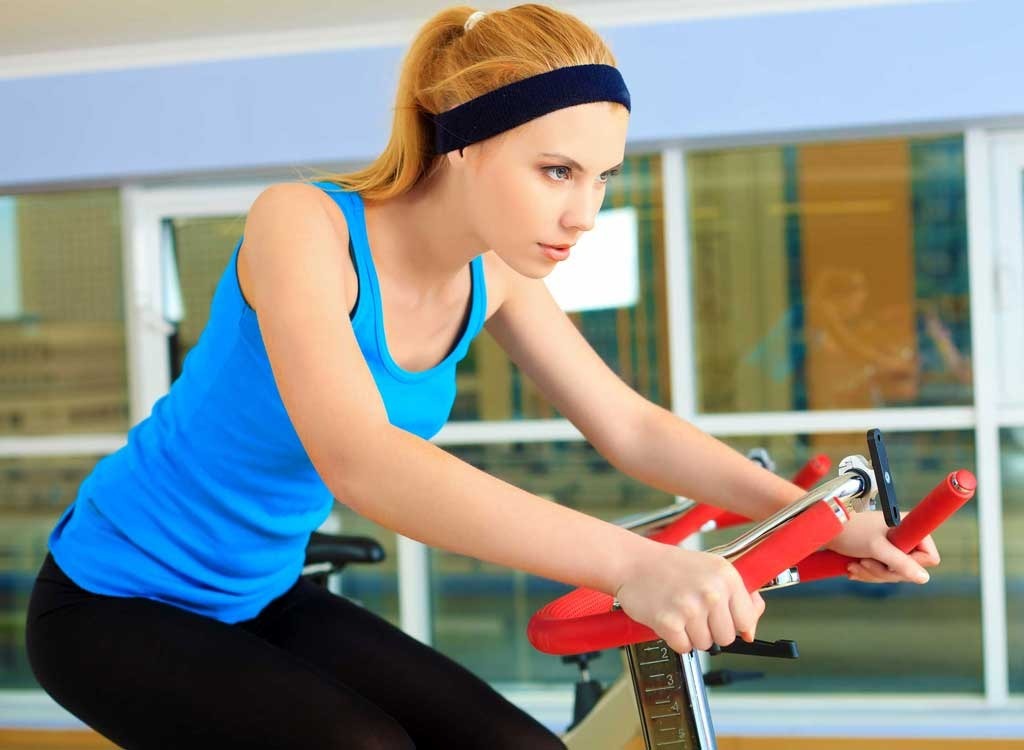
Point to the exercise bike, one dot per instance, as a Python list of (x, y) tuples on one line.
[(664, 702)]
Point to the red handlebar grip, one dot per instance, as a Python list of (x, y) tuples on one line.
[(583, 620), (789, 544), (728, 518), (687, 524), (942, 502), (813, 470)]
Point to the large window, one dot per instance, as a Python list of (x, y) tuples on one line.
[(830, 276), (823, 276)]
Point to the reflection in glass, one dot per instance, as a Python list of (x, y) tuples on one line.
[(481, 610), (831, 276), (33, 494), (632, 340), (867, 638), (62, 354), (1013, 541)]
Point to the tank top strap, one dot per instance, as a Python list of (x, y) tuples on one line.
[(478, 311), (351, 205)]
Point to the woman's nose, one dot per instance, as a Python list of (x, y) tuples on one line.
[(583, 212)]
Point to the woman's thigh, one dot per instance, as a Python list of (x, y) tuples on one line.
[(438, 702), (149, 675)]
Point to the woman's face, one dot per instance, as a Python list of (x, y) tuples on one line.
[(543, 182)]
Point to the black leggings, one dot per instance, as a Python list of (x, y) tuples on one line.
[(312, 670)]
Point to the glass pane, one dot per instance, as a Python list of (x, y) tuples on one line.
[(632, 340), (1013, 540), (62, 354), (871, 638), (481, 610), (33, 494), (830, 276)]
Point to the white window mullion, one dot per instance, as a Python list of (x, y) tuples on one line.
[(33, 446), (508, 431), (986, 388), (681, 349), (835, 421), (414, 608), (145, 329), (1012, 417)]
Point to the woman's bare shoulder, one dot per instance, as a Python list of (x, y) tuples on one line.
[(299, 201), (294, 218)]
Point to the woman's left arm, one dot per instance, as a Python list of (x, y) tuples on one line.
[(653, 445)]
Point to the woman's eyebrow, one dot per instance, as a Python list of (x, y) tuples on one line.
[(575, 164)]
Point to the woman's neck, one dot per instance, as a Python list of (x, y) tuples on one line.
[(422, 236)]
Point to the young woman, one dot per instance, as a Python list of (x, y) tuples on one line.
[(170, 612)]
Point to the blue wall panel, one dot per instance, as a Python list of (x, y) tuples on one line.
[(926, 64)]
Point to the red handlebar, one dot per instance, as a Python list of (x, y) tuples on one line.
[(791, 543), (813, 470), (583, 620)]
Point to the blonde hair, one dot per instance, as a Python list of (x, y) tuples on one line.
[(450, 62)]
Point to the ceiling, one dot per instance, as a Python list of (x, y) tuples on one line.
[(39, 36)]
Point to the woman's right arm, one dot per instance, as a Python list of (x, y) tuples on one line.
[(294, 267)]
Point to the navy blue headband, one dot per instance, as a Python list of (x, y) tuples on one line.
[(525, 100)]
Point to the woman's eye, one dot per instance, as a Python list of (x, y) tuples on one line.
[(565, 172), (609, 173)]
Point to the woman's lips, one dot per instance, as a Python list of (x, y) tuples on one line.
[(555, 253)]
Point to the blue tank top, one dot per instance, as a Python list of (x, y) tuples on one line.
[(211, 502)]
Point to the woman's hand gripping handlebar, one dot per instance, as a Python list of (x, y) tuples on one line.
[(710, 579), (942, 502), (585, 620)]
